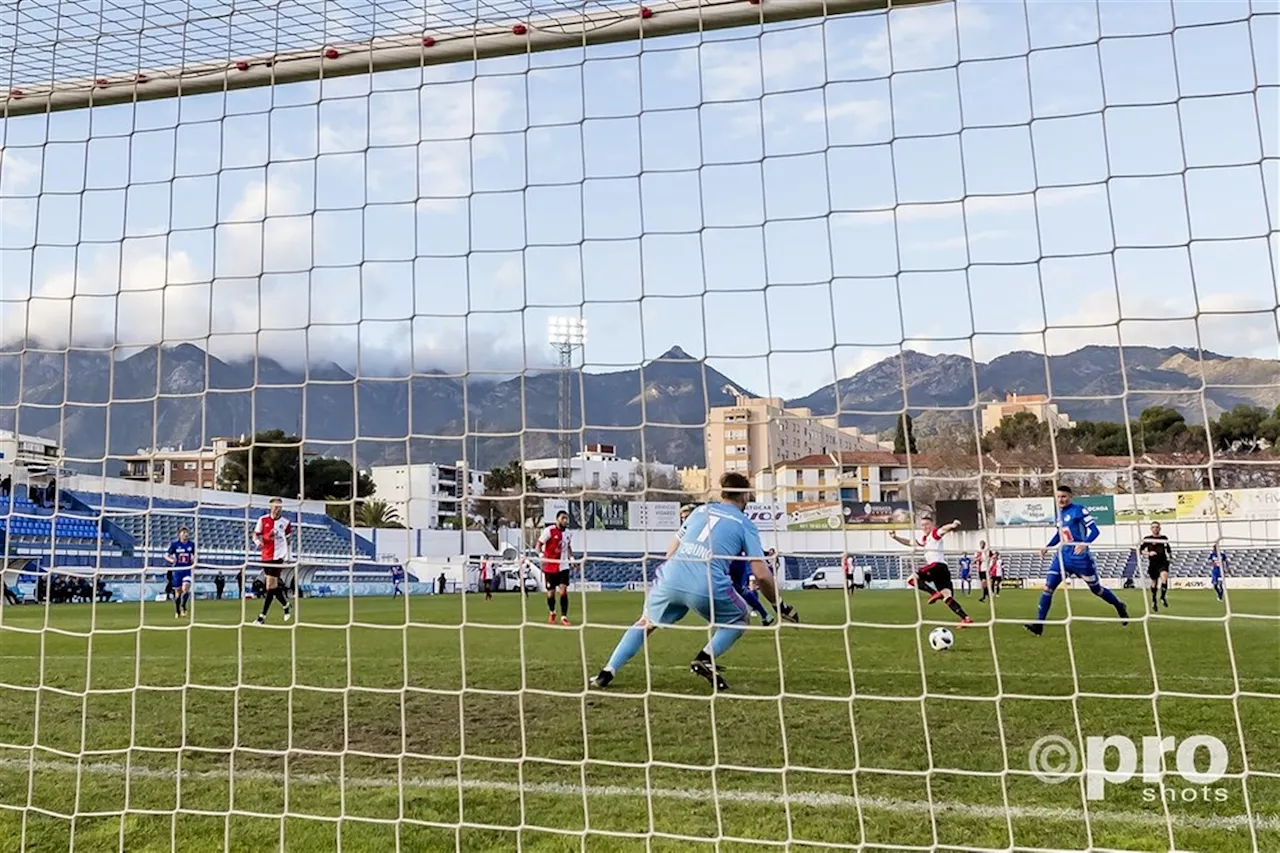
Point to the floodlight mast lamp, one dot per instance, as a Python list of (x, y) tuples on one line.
[(565, 334), (118, 84)]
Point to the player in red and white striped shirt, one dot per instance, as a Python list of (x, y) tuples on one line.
[(982, 562), (271, 536), (486, 582), (934, 577), (555, 546), (996, 567)]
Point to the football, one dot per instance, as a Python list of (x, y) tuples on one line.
[(941, 639)]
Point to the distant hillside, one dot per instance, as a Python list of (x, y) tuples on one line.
[(182, 396)]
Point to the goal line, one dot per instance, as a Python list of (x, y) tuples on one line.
[(814, 799)]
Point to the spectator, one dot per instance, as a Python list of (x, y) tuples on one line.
[(6, 486), (51, 494), (219, 583), (104, 594), (440, 583)]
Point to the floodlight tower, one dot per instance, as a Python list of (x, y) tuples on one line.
[(566, 334)]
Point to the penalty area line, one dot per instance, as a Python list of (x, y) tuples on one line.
[(814, 799)]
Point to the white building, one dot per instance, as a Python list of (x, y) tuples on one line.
[(1038, 405), (858, 476), (427, 495), (31, 452), (598, 468)]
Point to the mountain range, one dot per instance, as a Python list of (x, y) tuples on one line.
[(89, 400)]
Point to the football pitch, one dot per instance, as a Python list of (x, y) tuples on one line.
[(440, 723)]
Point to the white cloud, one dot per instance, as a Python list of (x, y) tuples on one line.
[(138, 294), (450, 123), (865, 114), (19, 171), (915, 37)]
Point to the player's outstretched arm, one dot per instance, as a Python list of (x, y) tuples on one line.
[(896, 538), (949, 528)]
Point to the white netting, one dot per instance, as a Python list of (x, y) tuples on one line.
[(1045, 231)]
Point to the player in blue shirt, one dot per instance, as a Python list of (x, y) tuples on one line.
[(397, 578), (1076, 529), (182, 556), (1217, 563), (966, 565), (696, 577), (740, 574)]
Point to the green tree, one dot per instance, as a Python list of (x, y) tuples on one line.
[(377, 513), (1269, 429), (904, 440), (1022, 432), (1159, 429), (1097, 438), (505, 479), (326, 478), (509, 496), (1244, 429), (279, 470), (268, 464)]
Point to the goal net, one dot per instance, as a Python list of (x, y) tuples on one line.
[(315, 318)]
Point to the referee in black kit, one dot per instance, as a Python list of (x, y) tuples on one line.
[(1155, 547)]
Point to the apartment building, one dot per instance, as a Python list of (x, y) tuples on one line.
[(758, 432)]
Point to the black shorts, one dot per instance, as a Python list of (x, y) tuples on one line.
[(1154, 572), (273, 569), (486, 583), (982, 576), (555, 579), (937, 575)]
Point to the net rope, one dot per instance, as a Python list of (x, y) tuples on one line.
[(799, 202)]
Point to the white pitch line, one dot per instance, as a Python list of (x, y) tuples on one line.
[(815, 799), (860, 671)]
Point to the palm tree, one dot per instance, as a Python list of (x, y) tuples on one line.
[(377, 513)]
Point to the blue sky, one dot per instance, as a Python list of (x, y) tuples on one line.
[(795, 203)]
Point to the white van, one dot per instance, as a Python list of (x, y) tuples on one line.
[(507, 579), (830, 577)]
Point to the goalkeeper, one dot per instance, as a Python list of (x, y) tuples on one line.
[(713, 536)]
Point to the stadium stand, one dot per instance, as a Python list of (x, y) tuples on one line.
[(127, 536), (26, 524), (224, 531)]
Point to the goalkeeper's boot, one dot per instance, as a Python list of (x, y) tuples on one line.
[(1035, 628), (564, 620), (968, 620), (1123, 610), (551, 619), (288, 613), (261, 620), (702, 666), (786, 611), (602, 680)]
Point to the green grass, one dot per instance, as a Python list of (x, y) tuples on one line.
[(369, 724)]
